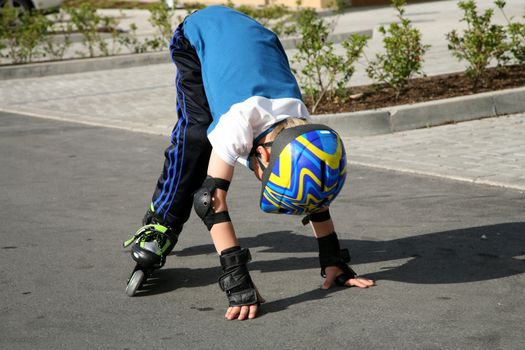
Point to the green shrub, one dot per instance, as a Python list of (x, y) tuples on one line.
[(516, 35), (131, 41), (22, 34), (323, 74), (481, 43), (109, 4), (275, 17), (192, 6), (404, 53), (89, 23), (161, 19), (51, 47), (3, 33)]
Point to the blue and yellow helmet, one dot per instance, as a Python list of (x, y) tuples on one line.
[(306, 172)]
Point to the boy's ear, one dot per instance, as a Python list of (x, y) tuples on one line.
[(264, 153)]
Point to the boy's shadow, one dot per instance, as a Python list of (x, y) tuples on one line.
[(456, 256)]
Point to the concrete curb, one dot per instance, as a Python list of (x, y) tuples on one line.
[(34, 70), (426, 114), (363, 123), (42, 69)]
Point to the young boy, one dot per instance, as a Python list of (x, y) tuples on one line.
[(237, 100)]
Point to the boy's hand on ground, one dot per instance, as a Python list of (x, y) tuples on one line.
[(333, 271), (241, 312)]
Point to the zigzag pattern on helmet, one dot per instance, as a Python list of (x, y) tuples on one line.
[(307, 176)]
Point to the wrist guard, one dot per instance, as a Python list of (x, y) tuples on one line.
[(316, 217), (331, 254), (236, 280)]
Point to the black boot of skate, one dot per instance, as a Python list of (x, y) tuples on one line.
[(151, 244)]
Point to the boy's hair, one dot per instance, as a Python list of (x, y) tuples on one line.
[(287, 123)]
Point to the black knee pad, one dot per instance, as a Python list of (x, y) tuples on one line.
[(202, 201), (331, 254)]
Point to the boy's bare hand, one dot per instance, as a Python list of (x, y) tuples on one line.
[(332, 272), (250, 311), (241, 312)]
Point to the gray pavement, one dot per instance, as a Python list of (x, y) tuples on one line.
[(448, 256)]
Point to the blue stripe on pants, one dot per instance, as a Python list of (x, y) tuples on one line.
[(186, 160)]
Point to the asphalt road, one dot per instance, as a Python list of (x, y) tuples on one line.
[(448, 257)]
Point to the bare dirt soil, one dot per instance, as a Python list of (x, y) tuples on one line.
[(424, 89)]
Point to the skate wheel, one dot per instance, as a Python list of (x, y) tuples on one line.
[(135, 282)]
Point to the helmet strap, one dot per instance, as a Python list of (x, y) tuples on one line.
[(261, 165)]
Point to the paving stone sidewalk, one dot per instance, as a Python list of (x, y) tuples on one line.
[(488, 151), (131, 98), (142, 99)]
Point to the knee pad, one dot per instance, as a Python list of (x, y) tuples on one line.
[(203, 201), (331, 254)]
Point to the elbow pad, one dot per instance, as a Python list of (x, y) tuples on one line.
[(203, 201)]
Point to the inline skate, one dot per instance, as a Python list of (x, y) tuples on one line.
[(150, 246)]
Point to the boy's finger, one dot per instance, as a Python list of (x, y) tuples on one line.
[(244, 312), (233, 312), (355, 283), (360, 282), (253, 311), (365, 281), (368, 282)]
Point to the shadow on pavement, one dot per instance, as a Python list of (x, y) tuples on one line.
[(457, 256)]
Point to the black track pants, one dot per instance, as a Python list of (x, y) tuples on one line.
[(186, 160)]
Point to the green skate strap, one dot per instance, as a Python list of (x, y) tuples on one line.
[(128, 242), (151, 227)]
